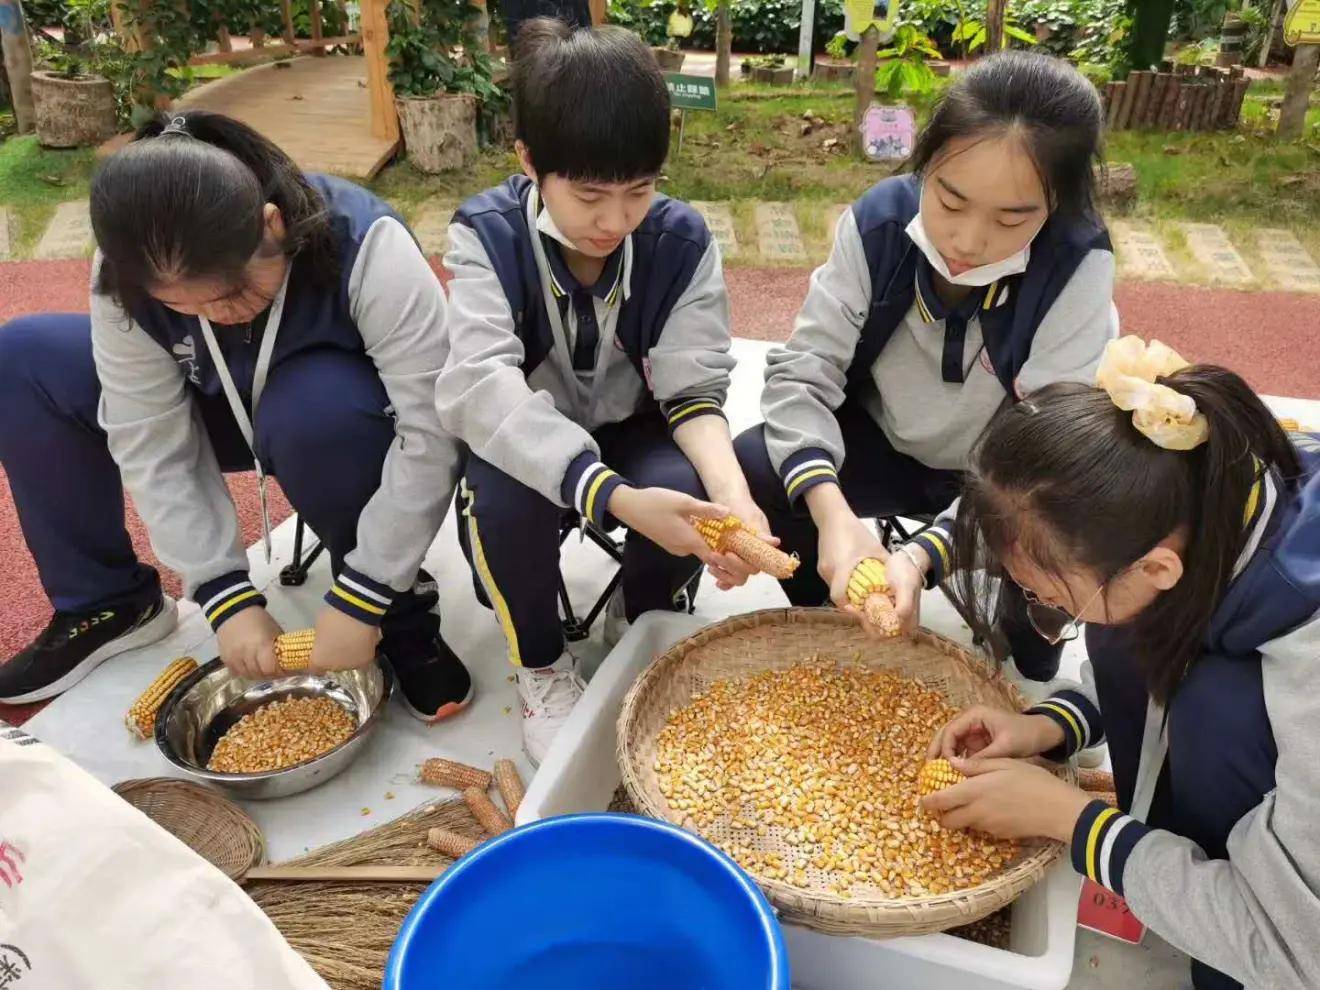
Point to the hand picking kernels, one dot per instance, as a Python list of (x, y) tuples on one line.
[(808, 776), (281, 734)]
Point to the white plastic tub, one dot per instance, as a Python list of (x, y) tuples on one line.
[(580, 774)]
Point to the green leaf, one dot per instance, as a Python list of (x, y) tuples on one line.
[(1019, 34)]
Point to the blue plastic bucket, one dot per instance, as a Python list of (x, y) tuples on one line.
[(591, 901)]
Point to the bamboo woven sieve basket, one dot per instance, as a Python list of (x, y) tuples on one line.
[(780, 638)]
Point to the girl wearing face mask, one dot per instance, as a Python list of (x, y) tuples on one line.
[(243, 315), (1171, 513), (950, 291)]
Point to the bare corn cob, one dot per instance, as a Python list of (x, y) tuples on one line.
[(868, 590), (451, 773), (936, 775), (729, 535), (510, 785), (450, 844), (484, 811), (293, 650), (1095, 780), (141, 718)]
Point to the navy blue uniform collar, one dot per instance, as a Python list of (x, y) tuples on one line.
[(564, 283), (931, 309)]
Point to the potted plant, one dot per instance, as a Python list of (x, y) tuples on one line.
[(441, 79), (771, 69), (74, 104), (668, 55), (834, 65)]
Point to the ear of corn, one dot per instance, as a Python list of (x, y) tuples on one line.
[(451, 773), (450, 844), (484, 811), (730, 535), (868, 590), (141, 718), (510, 785), (936, 775), (293, 650)]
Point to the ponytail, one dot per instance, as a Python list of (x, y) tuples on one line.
[(185, 199), (1066, 479)]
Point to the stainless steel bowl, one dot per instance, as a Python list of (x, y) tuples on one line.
[(205, 705)]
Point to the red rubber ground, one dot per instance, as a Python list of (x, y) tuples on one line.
[(1271, 338)]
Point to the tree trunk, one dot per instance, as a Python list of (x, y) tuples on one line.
[(864, 81), (994, 25), (18, 62), (1297, 91), (723, 44), (1150, 30)]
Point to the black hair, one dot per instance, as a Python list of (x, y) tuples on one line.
[(1064, 478), (1045, 102), (589, 103), (185, 199)]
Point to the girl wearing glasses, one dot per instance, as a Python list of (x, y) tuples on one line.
[(1171, 513)]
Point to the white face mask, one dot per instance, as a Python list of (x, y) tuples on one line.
[(1014, 264), (545, 223)]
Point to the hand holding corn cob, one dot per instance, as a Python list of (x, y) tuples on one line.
[(293, 650), (936, 775), (868, 592), (730, 535)]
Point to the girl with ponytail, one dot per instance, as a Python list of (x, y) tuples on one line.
[(1170, 512), (244, 315)]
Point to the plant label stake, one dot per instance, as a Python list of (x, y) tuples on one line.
[(689, 93)]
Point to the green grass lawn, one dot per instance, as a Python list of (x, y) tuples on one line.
[(754, 148)]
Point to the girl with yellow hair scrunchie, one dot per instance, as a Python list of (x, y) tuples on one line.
[(1171, 513)]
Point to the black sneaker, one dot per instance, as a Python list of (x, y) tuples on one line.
[(434, 684), (74, 644)]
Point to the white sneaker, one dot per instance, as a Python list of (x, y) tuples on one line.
[(616, 620), (548, 695)]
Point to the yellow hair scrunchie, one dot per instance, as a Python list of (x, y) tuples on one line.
[(1128, 371)]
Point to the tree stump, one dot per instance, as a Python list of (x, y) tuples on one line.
[(72, 113), (440, 131), (1118, 185)]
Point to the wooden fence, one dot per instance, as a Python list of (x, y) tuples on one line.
[(1178, 98)]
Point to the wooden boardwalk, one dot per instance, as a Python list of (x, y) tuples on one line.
[(317, 109)]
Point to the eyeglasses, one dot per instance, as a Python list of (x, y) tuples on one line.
[(1053, 624)]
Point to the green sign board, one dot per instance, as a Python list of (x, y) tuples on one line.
[(690, 92)]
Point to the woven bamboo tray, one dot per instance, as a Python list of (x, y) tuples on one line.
[(780, 638), (202, 818)]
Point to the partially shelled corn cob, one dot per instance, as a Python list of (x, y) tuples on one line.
[(868, 590), (141, 718), (730, 535), (293, 650), (510, 785), (936, 775)]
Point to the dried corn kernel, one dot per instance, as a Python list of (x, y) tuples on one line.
[(141, 718), (451, 773), (936, 775), (868, 590), (484, 811), (729, 535), (281, 734), (510, 784), (293, 650), (808, 776)]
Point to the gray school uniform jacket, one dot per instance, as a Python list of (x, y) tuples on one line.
[(538, 361), (388, 306)]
